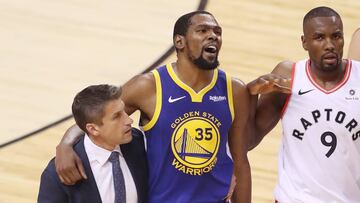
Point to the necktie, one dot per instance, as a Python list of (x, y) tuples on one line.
[(118, 177)]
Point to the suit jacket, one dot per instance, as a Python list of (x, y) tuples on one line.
[(52, 190)]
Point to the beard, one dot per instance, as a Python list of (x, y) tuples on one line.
[(329, 67), (206, 65)]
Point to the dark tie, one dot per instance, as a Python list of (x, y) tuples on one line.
[(119, 183)]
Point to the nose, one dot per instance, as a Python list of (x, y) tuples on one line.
[(329, 46), (213, 35), (129, 120)]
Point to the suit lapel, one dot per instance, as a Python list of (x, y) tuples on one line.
[(126, 151), (89, 185)]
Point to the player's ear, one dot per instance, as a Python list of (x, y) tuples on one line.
[(179, 42), (303, 41), (93, 129)]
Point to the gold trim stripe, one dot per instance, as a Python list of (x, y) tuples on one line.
[(195, 97), (158, 104), (230, 95)]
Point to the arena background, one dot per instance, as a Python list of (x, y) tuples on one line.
[(49, 50)]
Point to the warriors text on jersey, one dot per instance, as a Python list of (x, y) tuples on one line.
[(320, 151), (187, 140)]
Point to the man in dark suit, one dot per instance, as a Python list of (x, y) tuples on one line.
[(113, 153)]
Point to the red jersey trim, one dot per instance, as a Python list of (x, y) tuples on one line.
[(289, 96), (338, 86)]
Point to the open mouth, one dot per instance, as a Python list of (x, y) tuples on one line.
[(211, 49)]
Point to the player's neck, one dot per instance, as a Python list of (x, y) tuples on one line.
[(328, 79), (191, 75)]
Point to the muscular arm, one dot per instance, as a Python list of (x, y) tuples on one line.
[(238, 142), (266, 110), (139, 93)]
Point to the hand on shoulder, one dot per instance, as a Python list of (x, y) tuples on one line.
[(279, 80)]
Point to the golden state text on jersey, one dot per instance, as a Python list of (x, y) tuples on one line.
[(187, 140), (195, 142)]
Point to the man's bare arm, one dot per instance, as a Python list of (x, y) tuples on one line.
[(266, 110), (238, 142)]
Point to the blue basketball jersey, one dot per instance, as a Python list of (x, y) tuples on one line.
[(187, 140)]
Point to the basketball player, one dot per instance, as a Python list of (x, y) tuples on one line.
[(190, 110), (320, 150), (354, 48)]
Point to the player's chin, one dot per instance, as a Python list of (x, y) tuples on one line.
[(329, 66), (330, 63), (210, 56)]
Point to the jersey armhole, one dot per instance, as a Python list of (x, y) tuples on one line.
[(289, 96), (158, 103), (230, 95)]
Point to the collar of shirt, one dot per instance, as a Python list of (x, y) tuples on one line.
[(98, 154)]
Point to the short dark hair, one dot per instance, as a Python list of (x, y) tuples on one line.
[(88, 105), (182, 24), (321, 11)]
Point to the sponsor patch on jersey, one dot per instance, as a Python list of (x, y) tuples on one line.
[(195, 142), (217, 98), (352, 95)]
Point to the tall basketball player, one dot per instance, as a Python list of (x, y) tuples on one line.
[(190, 111), (320, 150)]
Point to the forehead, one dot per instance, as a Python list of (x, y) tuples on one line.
[(114, 106), (323, 24), (203, 19)]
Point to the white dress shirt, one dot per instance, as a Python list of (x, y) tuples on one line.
[(102, 170)]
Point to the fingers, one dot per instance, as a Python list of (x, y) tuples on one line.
[(69, 167), (284, 86), (257, 86), (62, 179), (72, 173), (67, 180), (270, 83), (80, 168), (69, 175), (231, 189), (65, 177)]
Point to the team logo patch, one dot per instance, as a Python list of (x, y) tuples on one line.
[(352, 92), (352, 95), (195, 143)]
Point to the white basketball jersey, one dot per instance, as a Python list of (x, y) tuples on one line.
[(319, 159)]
